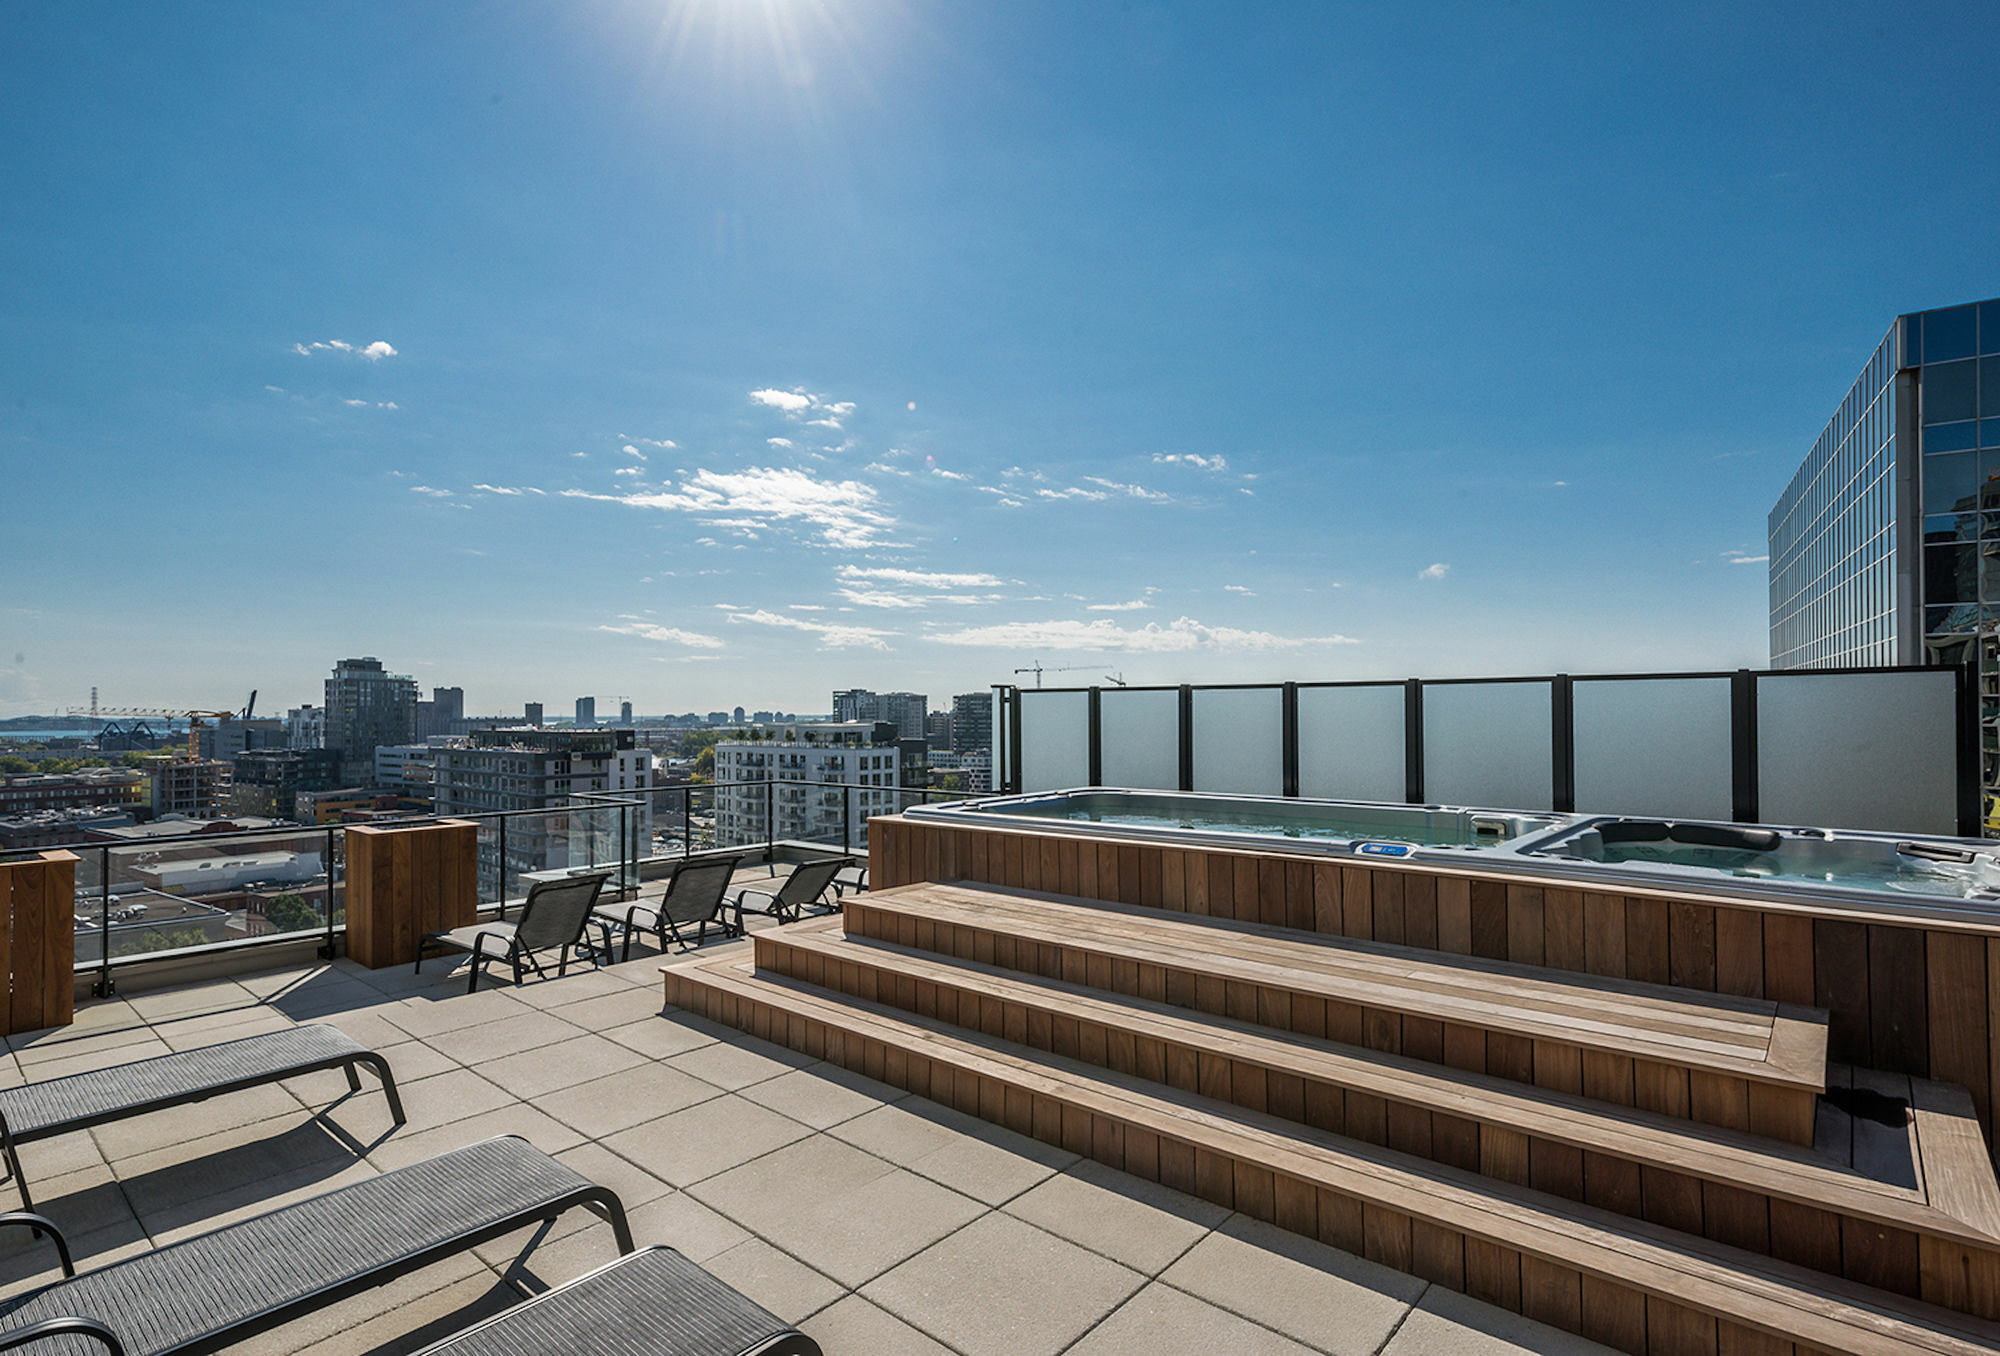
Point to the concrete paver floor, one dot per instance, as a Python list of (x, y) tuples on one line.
[(879, 1222)]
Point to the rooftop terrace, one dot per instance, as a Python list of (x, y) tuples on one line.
[(877, 1220)]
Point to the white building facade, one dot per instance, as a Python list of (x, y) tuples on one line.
[(819, 785)]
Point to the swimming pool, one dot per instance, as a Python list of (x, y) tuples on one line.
[(1839, 869)]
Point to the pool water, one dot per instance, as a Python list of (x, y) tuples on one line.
[(1309, 821)]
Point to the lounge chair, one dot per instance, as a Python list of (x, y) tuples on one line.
[(853, 876), (694, 899), (798, 892), (554, 917), (652, 1300), (76, 1102), (219, 1288)]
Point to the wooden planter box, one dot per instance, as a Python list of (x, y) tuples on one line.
[(38, 942), (405, 882)]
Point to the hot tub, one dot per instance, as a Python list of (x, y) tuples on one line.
[(1763, 859), (1362, 828)]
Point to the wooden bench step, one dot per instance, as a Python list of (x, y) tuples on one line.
[(1631, 1284), (1709, 1057), (1821, 1210)]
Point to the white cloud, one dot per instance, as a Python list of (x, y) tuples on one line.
[(374, 352), (797, 403), (781, 442), (847, 513), (629, 471), (881, 598), (1194, 459), (1739, 558), (1131, 491), (1105, 635), (632, 451), (924, 579), (504, 489), (362, 403), (1238, 588), (1136, 605), (667, 635), (1073, 492), (663, 444), (832, 635), (1437, 571), (791, 402), (426, 489), (882, 468)]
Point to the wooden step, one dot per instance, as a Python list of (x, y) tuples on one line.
[(1736, 1062), (1631, 1284), (1861, 1210)]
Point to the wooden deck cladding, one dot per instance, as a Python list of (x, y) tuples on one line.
[(1743, 1064), (1911, 996)]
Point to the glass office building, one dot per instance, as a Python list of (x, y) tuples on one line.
[(1885, 548)]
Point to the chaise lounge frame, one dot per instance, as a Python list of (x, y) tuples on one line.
[(655, 1295), (56, 1106), (204, 1293)]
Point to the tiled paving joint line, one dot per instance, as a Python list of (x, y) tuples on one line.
[(248, 1004)]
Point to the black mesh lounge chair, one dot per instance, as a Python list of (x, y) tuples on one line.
[(654, 1299), (693, 900), (219, 1288), (59, 1105), (554, 917), (853, 876), (798, 892)]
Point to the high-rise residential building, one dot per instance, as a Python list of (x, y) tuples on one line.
[(586, 713), (532, 713), (1878, 546), (531, 769), (305, 727), (907, 711), (972, 723), (937, 730), (624, 713), (443, 714), (828, 779), (365, 709)]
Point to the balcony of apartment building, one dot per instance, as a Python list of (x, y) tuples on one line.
[(906, 1130)]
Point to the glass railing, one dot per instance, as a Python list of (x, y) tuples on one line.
[(194, 893)]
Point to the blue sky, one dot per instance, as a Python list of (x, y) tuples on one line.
[(723, 351)]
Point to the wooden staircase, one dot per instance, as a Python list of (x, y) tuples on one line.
[(1660, 1169)]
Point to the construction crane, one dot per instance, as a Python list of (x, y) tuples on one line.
[(1038, 670)]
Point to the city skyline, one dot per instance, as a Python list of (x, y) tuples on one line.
[(676, 352)]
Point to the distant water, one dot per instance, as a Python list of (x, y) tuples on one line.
[(38, 736)]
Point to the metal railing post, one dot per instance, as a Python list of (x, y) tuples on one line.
[(846, 817), (628, 866), (770, 822), (687, 821), (326, 947), (103, 987), (500, 871)]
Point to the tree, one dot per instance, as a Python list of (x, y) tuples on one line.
[(704, 765), (15, 765), (291, 913)]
